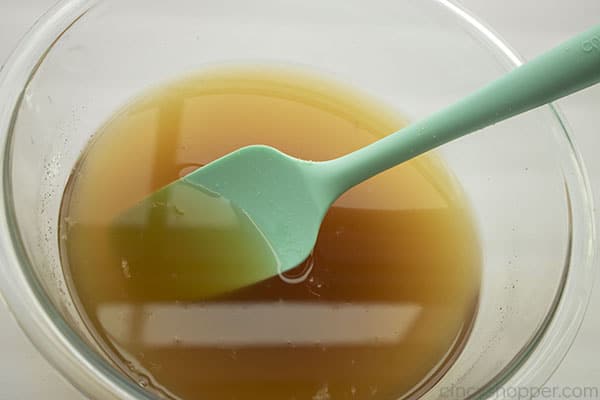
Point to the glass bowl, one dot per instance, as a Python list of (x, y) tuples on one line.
[(523, 177)]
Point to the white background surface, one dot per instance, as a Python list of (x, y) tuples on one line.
[(530, 26)]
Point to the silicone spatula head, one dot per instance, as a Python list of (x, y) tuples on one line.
[(246, 217)]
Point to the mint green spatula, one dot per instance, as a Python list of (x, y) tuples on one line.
[(279, 201)]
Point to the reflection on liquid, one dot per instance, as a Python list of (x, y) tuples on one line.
[(211, 246), (382, 305), (260, 324)]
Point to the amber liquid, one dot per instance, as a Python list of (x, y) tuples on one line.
[(380, 309)]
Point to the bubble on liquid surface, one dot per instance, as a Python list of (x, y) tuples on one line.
[(125, 268), (143, 381), (322, 393)]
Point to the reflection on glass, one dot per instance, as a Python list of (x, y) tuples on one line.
[(210, 246), (244, 324)]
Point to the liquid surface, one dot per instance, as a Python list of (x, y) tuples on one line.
[(379, 310)]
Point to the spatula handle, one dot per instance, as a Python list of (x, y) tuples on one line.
[(570, 67)]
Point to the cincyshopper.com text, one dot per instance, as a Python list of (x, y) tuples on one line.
[(522, 393)]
